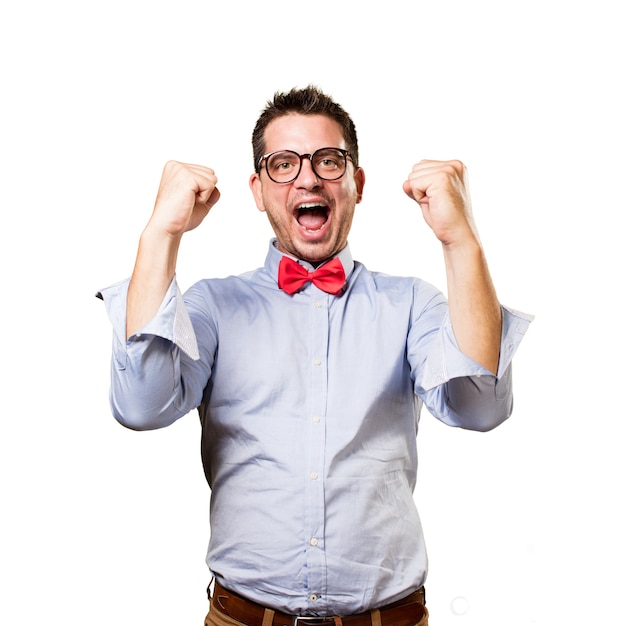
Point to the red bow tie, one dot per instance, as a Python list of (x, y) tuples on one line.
[(330, 277)]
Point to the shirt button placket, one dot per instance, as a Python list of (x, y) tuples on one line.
[(314, 515)]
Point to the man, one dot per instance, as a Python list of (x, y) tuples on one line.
[(309, 374)]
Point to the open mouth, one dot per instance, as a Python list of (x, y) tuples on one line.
[(312, 216)]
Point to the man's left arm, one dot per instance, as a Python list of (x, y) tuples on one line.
[(440, 188)]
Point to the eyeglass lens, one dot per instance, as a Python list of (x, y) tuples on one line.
[(327, 163)]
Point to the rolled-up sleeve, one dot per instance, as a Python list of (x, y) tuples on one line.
[(148, 389), (461, 392)]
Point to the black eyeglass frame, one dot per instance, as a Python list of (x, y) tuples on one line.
[(345, 153)]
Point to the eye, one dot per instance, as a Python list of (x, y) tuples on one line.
[(282, 162), (329, 160)]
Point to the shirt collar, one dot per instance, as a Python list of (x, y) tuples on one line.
[(274, 256)]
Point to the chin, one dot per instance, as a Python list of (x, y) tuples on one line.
[(316, 253)]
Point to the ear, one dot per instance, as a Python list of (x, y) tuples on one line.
[(359, 181), (256, 186)]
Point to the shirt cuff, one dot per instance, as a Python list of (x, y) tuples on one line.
[(171, 322), (449, 362)]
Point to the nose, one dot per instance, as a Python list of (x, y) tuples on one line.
[(307, 177)]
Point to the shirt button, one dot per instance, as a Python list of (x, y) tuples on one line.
[(318, 305), (316, 419), (317, 362), (313, 541), (313, 475), (313, 597)]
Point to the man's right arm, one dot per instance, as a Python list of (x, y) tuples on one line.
[(186, 194)]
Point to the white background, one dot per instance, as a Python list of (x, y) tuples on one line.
[(101, 525)]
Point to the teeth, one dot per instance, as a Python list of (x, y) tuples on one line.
[(310, 205)]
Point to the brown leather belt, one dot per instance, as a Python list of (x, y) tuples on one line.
[(405, 612)]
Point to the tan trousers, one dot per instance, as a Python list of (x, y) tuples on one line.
[(216, 618)]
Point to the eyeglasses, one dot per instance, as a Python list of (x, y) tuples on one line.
[(283, 166)]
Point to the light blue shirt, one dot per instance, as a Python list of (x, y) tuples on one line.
[(309, 406)]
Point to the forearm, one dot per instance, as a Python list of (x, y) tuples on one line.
[(186, 194), (154, 270), (474, 308)]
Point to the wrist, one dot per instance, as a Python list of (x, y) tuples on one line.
[(155, 234), (468, 245)]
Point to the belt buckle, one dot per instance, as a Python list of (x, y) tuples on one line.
[(310, 620)]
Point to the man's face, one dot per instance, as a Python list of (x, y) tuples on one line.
[(311, 217)]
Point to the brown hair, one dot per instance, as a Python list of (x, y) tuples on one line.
[(307, 101)]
